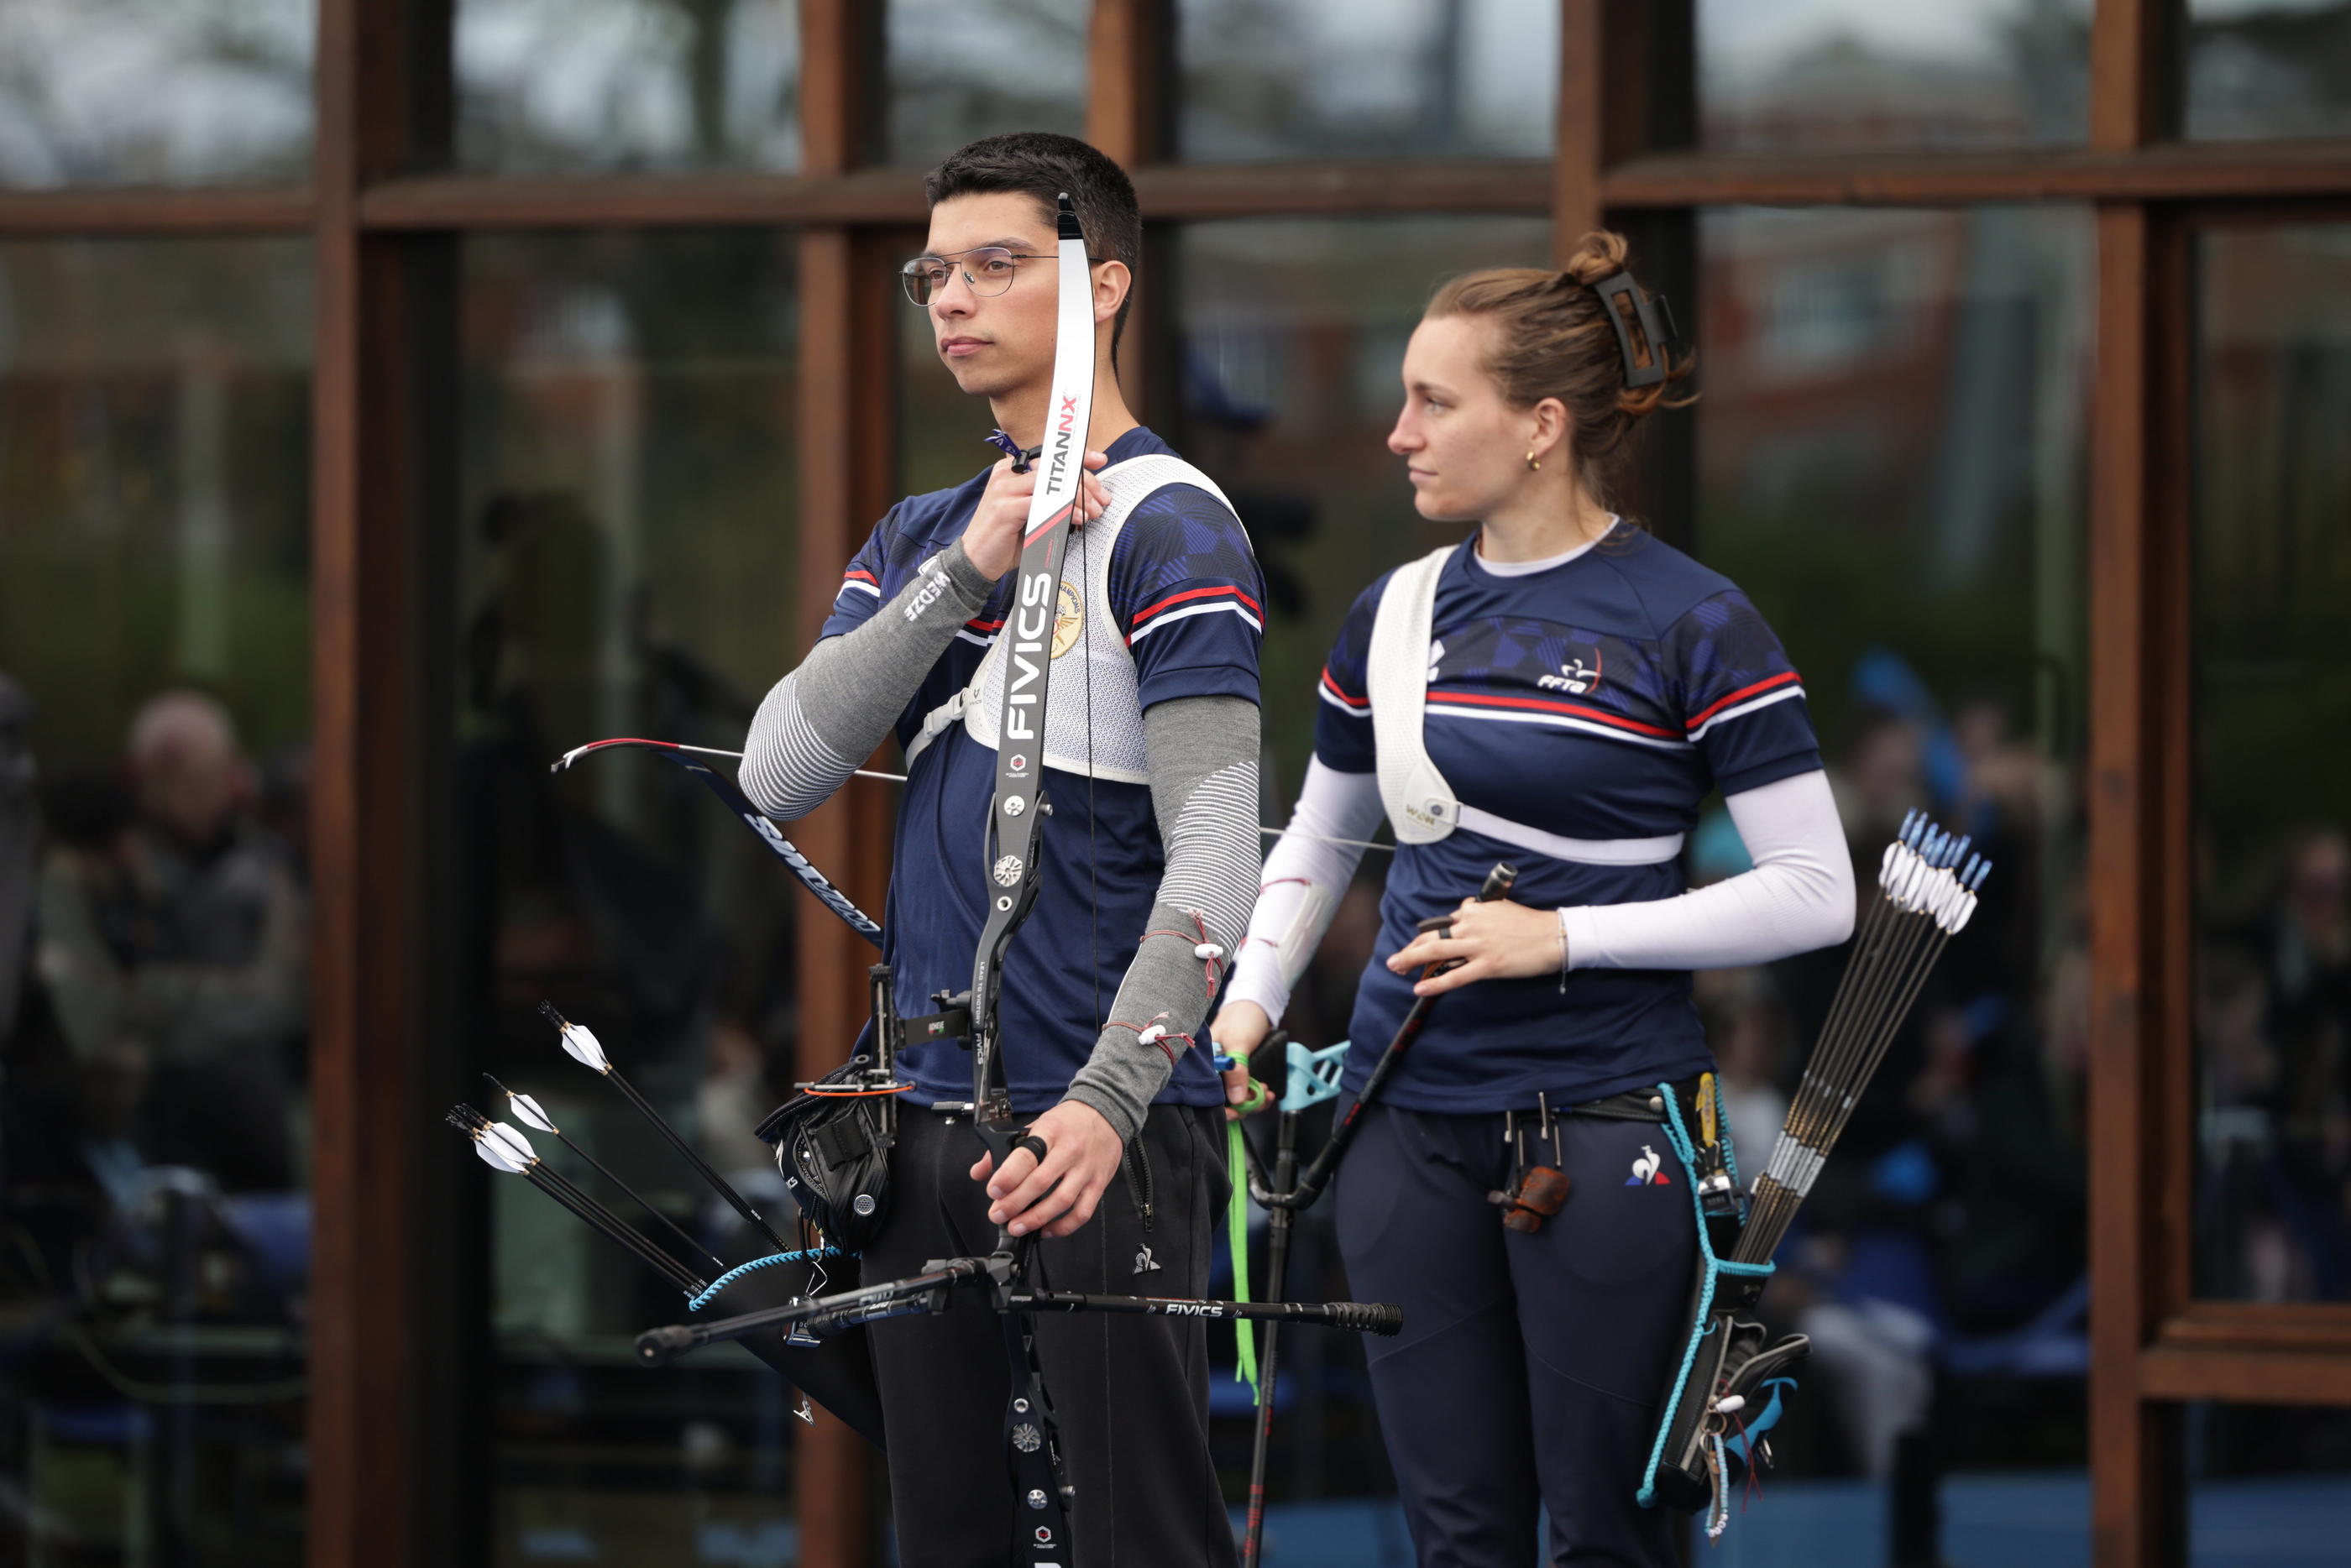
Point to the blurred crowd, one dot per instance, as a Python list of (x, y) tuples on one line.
[(2274, 1013), (1944, 1248), (154, 986), (1939, 1266)]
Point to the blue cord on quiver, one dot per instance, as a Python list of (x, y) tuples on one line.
[(738, 1270)]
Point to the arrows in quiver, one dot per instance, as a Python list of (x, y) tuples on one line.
[(1926, 889)]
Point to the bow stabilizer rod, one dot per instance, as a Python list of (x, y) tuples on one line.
[(925, 1293)]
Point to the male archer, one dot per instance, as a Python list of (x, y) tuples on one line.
[(1149, 864)]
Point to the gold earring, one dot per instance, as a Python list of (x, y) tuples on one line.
[(1533, 463)]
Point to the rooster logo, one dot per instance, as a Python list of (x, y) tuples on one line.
[(1647, 1171)]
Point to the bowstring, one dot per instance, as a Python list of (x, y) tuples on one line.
[(1085, 641), (1264, 832)]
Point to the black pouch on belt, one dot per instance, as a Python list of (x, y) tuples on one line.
[(835, 1158)]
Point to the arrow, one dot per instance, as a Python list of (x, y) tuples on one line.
[(503, 1148), (582, 1046), (528, 1112)]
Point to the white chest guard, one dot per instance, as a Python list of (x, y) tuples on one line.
[(1093, 722), (1421, 806)]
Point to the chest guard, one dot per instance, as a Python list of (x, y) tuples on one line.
[(1421, 806), (1094, 721)]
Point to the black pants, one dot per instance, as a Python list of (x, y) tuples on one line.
[(1531, 1366), (1130, 1394)]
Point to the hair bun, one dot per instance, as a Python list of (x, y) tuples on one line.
[(1552, 338), (1597, 256)]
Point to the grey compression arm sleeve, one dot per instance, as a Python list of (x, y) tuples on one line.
[(822, 720), (1204, 763)]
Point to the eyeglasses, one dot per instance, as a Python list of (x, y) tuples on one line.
[(987, 269)]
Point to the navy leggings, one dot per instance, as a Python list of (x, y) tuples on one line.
[(1530, 1368)]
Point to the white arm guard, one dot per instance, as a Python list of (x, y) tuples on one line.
[(1304, 881), (1799, 896)]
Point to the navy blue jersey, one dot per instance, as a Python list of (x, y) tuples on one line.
[(1186, 593), (1602, 699)]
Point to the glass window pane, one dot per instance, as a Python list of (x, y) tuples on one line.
[(956, 70), (2267, 68), (1292, 333), (626, 569), (2269, 1485), (106, 92), (601, 86), (1409, 78), (1890, 438), (2273, 702), (1821, 74), (154, 715)]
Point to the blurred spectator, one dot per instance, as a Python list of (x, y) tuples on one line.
[(1880, 776), (1876, 1358), (2276, 1022), (2024, 1183), (1754, 1047), (733, 1098), (178, 949), (2308, 943), (2245, 1253), (2004, 774)]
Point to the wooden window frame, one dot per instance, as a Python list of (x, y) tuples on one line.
[(383, 233)]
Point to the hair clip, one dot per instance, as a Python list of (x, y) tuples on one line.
[(1652, 316)]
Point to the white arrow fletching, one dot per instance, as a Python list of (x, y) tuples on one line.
[(503, 1147), (527, 1112), (1940, 894), (583, 1047)]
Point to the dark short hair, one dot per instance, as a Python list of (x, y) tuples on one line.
[(1043, 165)]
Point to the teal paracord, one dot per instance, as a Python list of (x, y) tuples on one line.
[(1678, 1137), (1729, 1155), (738, 1270)]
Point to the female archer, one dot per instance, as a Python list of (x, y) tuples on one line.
[(1559, 690)]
